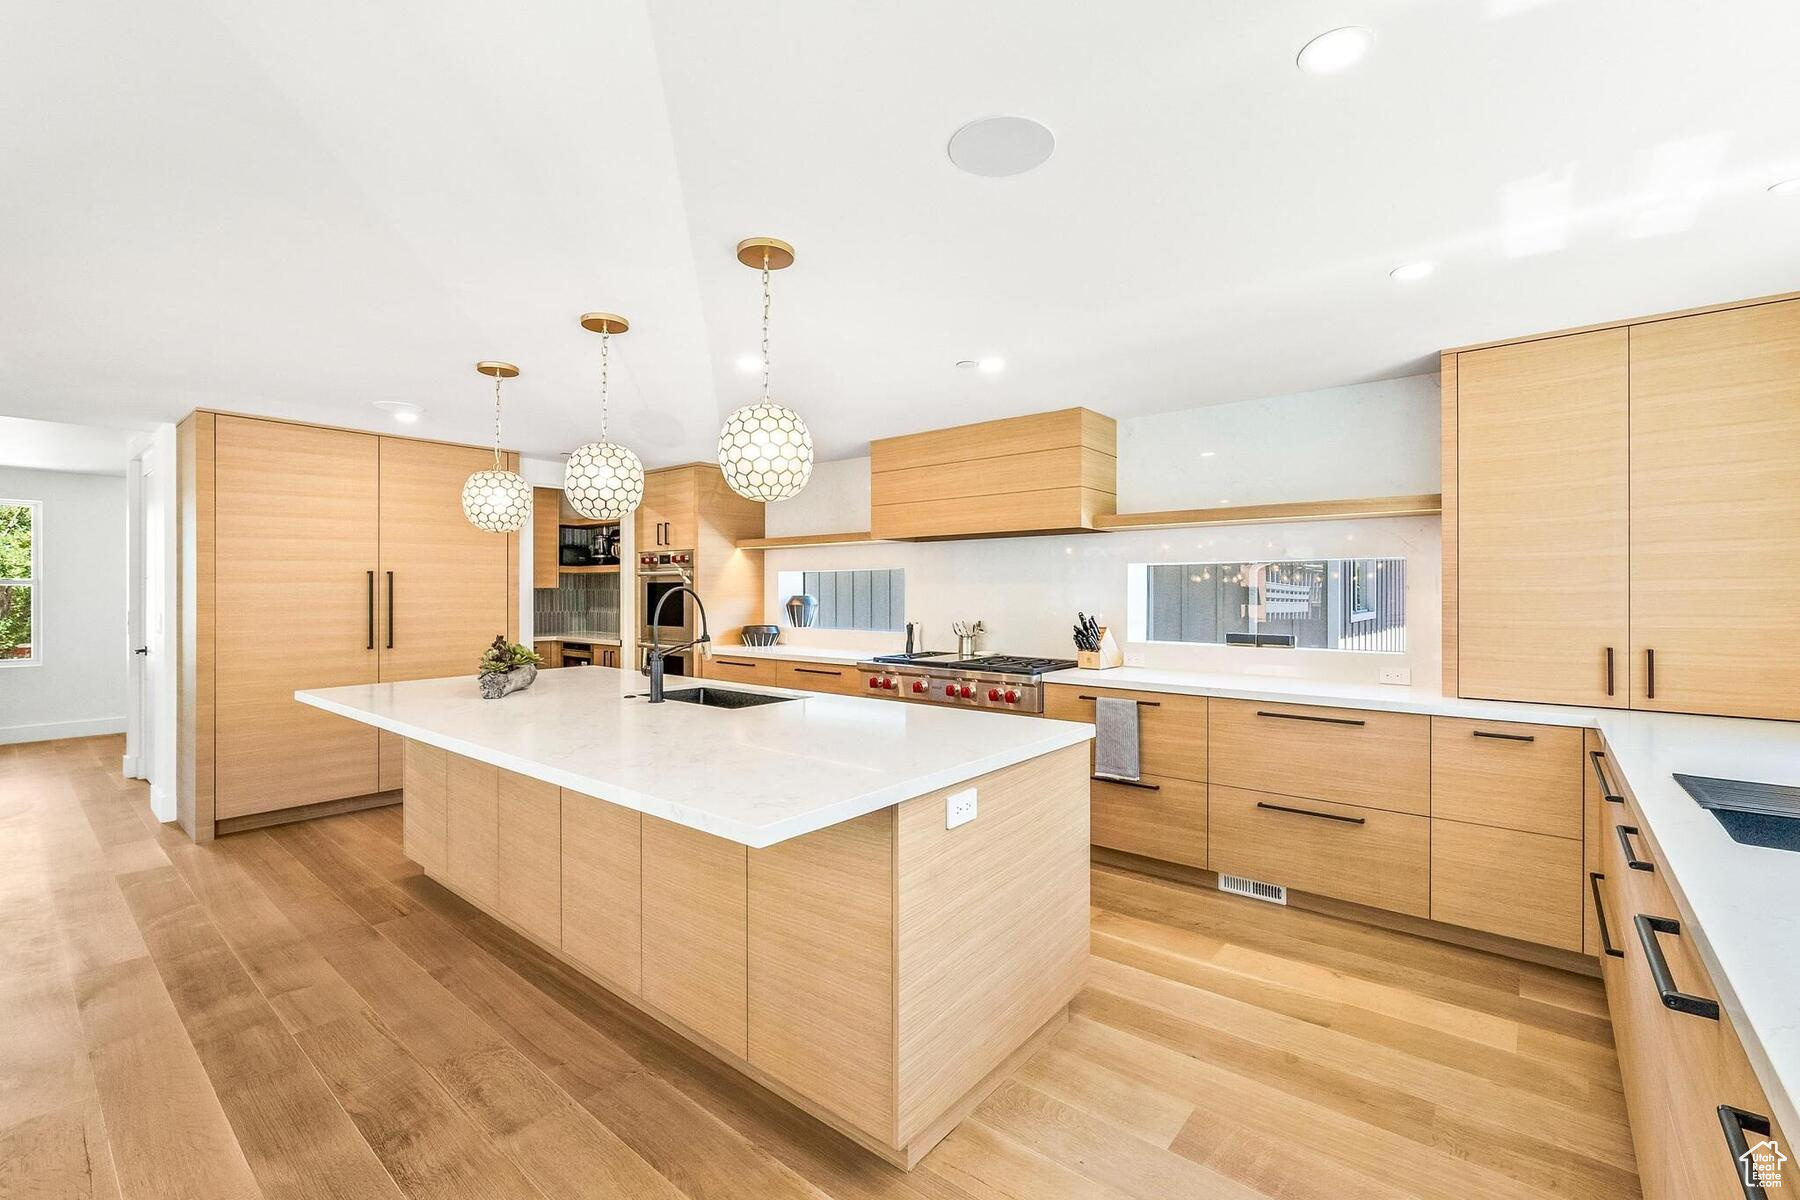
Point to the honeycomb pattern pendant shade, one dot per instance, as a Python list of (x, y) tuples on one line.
[(603, 480), (497, 500), (765, 449)]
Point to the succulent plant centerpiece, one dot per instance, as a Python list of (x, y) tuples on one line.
[(506, 667)]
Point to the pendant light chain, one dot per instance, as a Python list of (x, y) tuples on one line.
[(497, 421), (605, 338), (765, 329)]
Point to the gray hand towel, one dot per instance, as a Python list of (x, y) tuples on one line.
[(1116, 739)]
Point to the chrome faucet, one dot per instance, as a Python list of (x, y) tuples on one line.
[(654, 667)]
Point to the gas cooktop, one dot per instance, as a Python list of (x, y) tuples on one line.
[(1005, 682), (1008, 664)]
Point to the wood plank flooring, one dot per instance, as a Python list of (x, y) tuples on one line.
[(297, 1012)]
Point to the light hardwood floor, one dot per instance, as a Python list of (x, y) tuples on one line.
[(297, 1012)]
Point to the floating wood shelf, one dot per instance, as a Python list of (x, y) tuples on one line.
[(605, 569), (1256, 514), (807, 539)]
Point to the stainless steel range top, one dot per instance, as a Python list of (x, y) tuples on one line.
[(1005, 682)]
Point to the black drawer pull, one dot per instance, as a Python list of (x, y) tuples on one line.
[(1136, 783), (728, 662), (1594, 878), (818, 671), (371, 610), (1734, 1121), (1609, 670), (390, 582), (1139, 703), (1672, 997), (1606, 789), (1505, 737), (1306, 717), (1649, 674), (1307, 812), (1631, 858)]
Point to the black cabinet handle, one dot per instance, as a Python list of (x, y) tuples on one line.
[(1307, 812), (1609, 670), (1672, 997), (1649, 674), (1305, 717), (1505, 737), (1140, 703), (1136, 783), (1734, 1121), (1631, 858), (1606, 789), (818, 671), (390, 576), (1606, 942), (371, 610)]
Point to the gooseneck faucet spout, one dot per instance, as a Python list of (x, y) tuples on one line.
[(654, 668)]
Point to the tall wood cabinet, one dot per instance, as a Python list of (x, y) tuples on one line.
[(692, 508), (310, 558), (1621, 525)]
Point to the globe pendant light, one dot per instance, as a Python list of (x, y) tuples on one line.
[(603, 480), (765, 448), (499, 500)]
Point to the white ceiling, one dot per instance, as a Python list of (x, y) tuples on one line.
[(60, 446), (301, 209)]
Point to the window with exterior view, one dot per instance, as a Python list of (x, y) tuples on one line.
[(18, 582), (1319, 604)]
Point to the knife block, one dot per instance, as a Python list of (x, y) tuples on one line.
[(1105, 658)]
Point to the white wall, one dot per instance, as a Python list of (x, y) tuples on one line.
[(1367, 440), (79, 687)]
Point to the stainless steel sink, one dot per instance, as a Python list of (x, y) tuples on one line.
[(712, 697), (1754, 814)]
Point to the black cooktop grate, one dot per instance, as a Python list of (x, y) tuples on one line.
[(1009, 664)]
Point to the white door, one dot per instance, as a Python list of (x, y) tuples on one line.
[(150, 602)]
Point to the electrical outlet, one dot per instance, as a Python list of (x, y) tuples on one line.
[(1399, 675), (959, 808), (1133, 660)]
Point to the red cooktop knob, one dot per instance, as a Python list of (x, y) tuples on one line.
[(1012, 697), (949, 689), (888, 684), (918, 685), (967, 691), (874, 682), (993, 694)]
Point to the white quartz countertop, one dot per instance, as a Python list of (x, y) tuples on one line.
[(757, 776)]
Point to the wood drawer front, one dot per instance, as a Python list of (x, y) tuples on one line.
[(1351, 756), (1370, 856), (425, 808), (819, 677), (1524, 777), (1527, 886), (602, 889), (1172, 733), (1164, 818), (744, 670), (696, 930)]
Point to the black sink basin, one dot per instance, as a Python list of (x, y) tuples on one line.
[(712, 697), (1754, 814)]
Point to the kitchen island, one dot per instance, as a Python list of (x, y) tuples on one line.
[(780, 884)]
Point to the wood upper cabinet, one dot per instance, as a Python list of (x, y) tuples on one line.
[(294, 562), (546, 536), (1036, 474), (1715, 512), (668, 518), (1541, 436), (448, 588)]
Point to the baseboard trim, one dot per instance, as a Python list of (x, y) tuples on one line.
[(1469, 939), (56, 731), (162, 803), (304, 812)]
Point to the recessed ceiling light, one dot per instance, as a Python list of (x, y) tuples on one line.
[(749, 364), (401, 411), (1411, 271), (992, 366), (1789, 188), (1335, 49), (1208, 453), (966, 364), (996, 147)]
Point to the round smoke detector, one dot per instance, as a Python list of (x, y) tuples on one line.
[(999, 146)]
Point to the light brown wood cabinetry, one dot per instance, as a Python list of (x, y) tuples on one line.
[(1365, 855), (529, 873), (472, 840), (1042, 473), (425, 821), (1352, 756), (692, 508), (1506, 774), (836, 678), (295, 566), (696, 931), (311, 558), (1715, 512), (602, 890), (669, 516), (1172, 729), (1519, 885), (1620, 525), (546, 537), (744, 670), (1542, 446)]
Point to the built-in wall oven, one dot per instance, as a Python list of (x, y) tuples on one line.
[(659, 574)]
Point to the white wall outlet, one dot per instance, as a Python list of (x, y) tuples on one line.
[(1399, 675), (959, 808), (1134, 660)]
